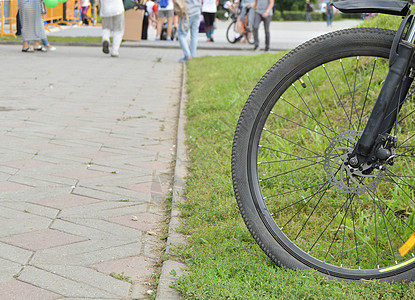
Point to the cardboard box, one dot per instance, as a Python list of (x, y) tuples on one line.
[(133, 24)]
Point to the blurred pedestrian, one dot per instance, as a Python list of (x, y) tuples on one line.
[(263, 14), (149, 17), (209, 9), (32, 24), (94, 10), (165, 11), (308, 9), (329, 12), (247, 11), (193, 11), (112, 13), (77, 12), (85, 4)]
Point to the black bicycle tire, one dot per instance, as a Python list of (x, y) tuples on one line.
[(364, 41), (231, 27), (251, 40)]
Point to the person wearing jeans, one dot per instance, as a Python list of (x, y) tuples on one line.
[(193, 9), (263, 14)]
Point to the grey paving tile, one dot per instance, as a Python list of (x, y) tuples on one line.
[(90, 229), (8, 269), (81, 256), (110, 194), (14, 254), (90, 277), (17, 290), (61, 285), (30, 209)]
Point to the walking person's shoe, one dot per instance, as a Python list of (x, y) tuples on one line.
[(105, 47), (28, 49), (40, 48), (184, 59)]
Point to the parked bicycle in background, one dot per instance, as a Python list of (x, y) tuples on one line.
[(241, 31)]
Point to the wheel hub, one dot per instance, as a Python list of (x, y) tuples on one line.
[(341, 174)]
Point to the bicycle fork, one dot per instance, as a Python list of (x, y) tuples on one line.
[(375, 145)]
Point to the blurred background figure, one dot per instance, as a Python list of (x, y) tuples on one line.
[(31, 21), (209, 9), (112, 13), (308, 9), (165, 11), (329, 12), (85, 4)]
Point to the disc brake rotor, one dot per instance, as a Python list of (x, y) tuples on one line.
[(341, 174)]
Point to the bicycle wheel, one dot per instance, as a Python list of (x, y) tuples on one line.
[(250, 37), (302, 204), (231, 31)]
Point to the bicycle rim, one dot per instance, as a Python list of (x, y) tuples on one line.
[(310, 110), (250, 37), (231, 32)]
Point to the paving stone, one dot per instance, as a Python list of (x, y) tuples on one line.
[(8, 186), (17, 290), (103, 209), (61, 285), (150, 187), (31, 209), (8, 270), (41, 239), (82, 228), (65, 201), (141, 221), (138, 268), (14, 254), (85, 258), (111, 194), (90, 277)]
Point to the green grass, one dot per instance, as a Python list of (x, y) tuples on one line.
[(224, 261), (59, 39)]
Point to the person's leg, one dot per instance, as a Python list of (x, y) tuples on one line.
[(118, 33), (182, 33), (48, 46), (257, 21), (145, 28), (160, 21), (106, 32), (267, 22), (169, 27), (207, 25), (194, 32), (212, 27), (251, 17), (18, 24), (240, 20)]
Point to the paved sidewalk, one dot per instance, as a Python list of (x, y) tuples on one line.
[(87, 145)]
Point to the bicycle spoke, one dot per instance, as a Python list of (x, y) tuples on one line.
[(337, 95), (292, 142), (321, 104), (302, 126), (307, 115), (367, 93), (288, 172)]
